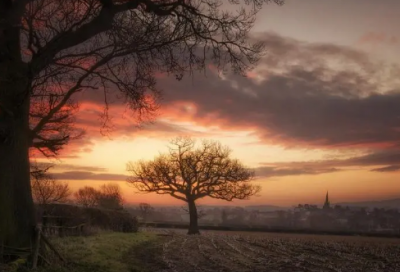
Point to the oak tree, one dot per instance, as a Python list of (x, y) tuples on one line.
[(51, 50), (189, 173)]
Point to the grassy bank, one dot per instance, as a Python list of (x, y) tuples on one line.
[(109, 252)]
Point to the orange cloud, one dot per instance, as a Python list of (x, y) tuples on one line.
[(378, 38)]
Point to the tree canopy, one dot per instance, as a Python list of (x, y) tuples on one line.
[(189, 173), (119, 45), (108, 196)]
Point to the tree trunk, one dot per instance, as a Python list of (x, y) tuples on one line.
[(193, 226), (17, 217)]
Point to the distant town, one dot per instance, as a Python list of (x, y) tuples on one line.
[(378, 217)]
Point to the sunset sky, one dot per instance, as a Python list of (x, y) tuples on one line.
[(320, 112)]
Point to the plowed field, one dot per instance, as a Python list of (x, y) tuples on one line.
[(224, 251)]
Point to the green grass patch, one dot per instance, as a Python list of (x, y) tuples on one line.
[(109, 252)]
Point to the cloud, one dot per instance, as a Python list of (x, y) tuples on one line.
[(122, 123), (301, 94), (86, 175), (279, 172), (312, 95), (74, 167), (388, 157), (378, 38), (390, 168)]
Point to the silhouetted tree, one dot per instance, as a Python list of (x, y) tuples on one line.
[(188, 173), (107, 197), (145, 209), (46, 189), (51, 50), (110, 197), (86, 196)]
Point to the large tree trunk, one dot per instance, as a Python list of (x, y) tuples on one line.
[(16, 205), (193, 225), (17, 217)]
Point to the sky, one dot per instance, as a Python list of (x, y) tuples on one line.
[(320, 112)]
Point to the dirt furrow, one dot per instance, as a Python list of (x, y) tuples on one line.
[(212, 252)]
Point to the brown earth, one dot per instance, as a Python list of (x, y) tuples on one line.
[(240, 251)]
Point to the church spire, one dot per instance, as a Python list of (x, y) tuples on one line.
[(327, 204)]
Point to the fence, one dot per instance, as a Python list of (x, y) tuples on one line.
[(57, 226), (41, 252)]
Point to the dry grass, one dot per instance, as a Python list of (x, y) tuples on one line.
[(104, 252)]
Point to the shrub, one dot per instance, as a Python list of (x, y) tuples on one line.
[(94, 218)]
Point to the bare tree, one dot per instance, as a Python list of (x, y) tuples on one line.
[(145, 209), (110, 197), (188, 173), (46, 189), (86, 196), (50, 50)]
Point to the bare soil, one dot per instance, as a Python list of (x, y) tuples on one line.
[(236, 251)]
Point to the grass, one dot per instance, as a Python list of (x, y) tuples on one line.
[(109, 252)]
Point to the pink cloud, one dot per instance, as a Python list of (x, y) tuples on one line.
[(376, 38)]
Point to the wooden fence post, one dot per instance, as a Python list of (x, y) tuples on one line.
[(53, 248), (1, 251), (36, 246), (44, 222)]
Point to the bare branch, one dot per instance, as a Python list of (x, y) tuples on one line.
[(102, 45), (45, 189), (187, 173)]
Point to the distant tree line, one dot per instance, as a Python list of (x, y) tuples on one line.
[(109, 196), (47, 190)]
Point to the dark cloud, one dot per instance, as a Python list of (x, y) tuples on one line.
[(390, 168), (388, 157), (122, 124), (312, 95), (80, 167), (85, 175), (74, 167), (279, 172)]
